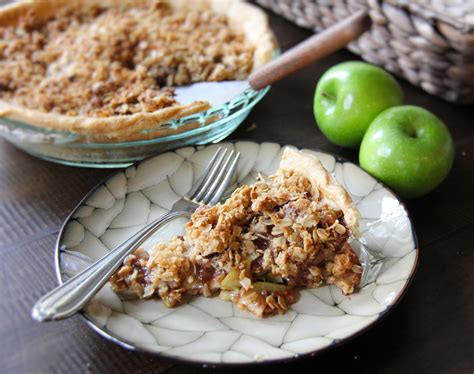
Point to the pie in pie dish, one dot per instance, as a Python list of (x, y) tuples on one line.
[(108, 67), (258, 247)]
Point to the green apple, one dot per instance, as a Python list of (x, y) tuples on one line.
[(349, 96), (409, 149)]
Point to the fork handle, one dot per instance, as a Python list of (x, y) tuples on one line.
[(70, 297)]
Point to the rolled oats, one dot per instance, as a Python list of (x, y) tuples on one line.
[(116, 61), (275, 229)]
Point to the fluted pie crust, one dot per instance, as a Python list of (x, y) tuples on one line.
[(241, 18), (259, 247)]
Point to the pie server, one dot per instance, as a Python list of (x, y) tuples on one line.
[(310, 50)]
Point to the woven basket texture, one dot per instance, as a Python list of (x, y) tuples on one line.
[(428, 42)]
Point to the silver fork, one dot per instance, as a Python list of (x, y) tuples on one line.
[(75, 293)]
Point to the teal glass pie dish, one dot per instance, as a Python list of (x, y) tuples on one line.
[(85, 150)]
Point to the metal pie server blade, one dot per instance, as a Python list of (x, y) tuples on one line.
[(216, 93)]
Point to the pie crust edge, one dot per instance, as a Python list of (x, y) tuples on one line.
[(309, 166)]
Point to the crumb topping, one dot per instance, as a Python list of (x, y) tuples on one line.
[(261, 245), (116, 61)]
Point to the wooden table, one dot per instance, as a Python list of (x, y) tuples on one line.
[(432, 330)]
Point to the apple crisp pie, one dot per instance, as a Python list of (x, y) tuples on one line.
[(259, 247), (109, 67)]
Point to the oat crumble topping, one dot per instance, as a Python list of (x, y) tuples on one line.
[(261, 245), (116, 61)]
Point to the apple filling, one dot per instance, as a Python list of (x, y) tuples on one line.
[(256, 249)]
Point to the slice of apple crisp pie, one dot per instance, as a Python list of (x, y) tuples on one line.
[(259, 247)]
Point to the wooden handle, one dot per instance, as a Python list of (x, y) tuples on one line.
[(312, 49)]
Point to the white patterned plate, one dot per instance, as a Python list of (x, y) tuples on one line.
[(210, 331)]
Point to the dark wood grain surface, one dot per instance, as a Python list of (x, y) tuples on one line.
[(432, 330)]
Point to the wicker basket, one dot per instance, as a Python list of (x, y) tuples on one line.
[(428, 42)]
